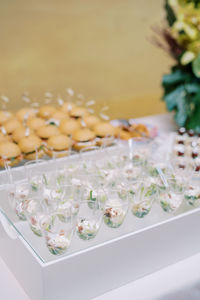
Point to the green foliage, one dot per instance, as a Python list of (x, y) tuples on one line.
[(182, 85), (170, 16), (182, 94), (196, 66)]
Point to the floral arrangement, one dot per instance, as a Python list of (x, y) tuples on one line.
[(181, 40)]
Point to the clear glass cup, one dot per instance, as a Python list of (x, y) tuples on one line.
[(59, 235), (91, 185), (18, 195), (35, 174), (172, 191), (89, 220), (51, 195), (85, 164), (181, 167), (171, 200), (116, 207), (69, 203), (36, 216), (176, 183), (132, 170), (38, 220), (144, 195), (192, 192)]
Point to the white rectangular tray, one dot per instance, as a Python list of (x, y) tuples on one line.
[(90, 268)]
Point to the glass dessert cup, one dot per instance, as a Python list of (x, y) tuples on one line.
[(59, 235), (116, 207), (172, 197), (90, 186), (18, 195), (152, 168), (84, 165), (36, 216), (177, 183), (192, 192), (96, 196), (132, 170), (52, 192), (142, 208), (68, 205), (34, 171), (35, 180), (182, 167), (92, 189), (38, 221), (192, 196), (123, 162), (89, 220), (142, 200)]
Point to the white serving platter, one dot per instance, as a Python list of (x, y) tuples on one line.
[(90, 268)]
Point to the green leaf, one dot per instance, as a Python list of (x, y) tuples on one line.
[(196, 66), (182, 94), (175, 77), (91, 197), (171, 98), (196, 98), (192, 88), (194, 120), (183, 109), (170, 16)]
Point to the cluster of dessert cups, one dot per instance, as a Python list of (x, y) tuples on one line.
[(85, 194)]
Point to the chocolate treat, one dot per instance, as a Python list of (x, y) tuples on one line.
[(191, 133), (182, 130)]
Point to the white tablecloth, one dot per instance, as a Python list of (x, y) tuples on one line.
[(178, 281)]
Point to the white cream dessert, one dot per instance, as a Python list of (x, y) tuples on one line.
[(17, 197), (57, 243), (35, 183), (76, 182), (67, 209), (141, 209), (21, 191), (19, 209), (30, 206), (87, 228), (38, 222), (179, 150), (170, 201), (139, 157), (192, 195), (131, 172), (108, 177), (186, 150), (180, 139), (114, 213)]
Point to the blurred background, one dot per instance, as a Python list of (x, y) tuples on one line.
[(98, 48)]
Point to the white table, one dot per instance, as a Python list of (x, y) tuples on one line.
[(178, 281)]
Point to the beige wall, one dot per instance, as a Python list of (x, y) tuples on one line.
[(99, 48)]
